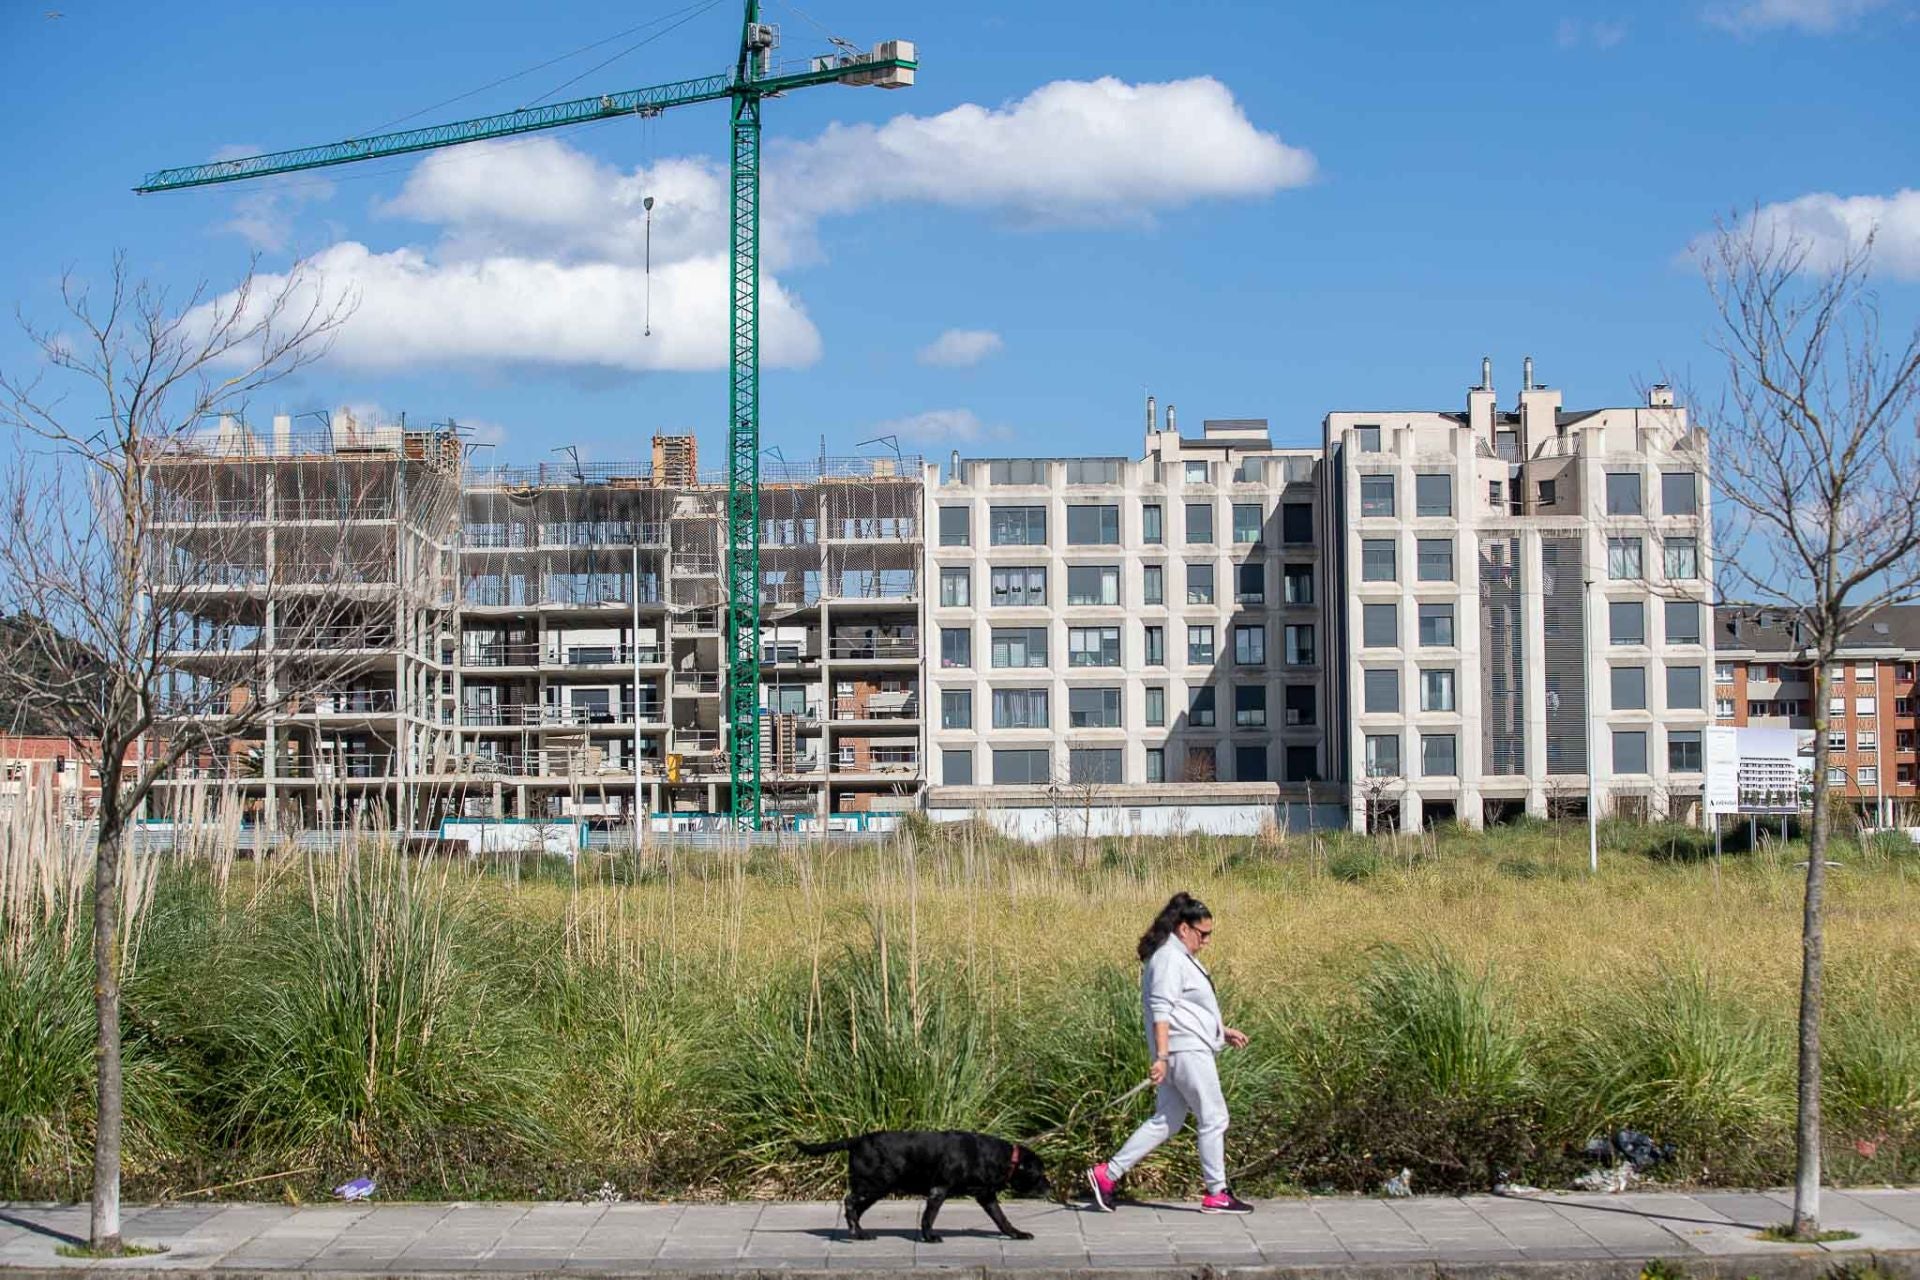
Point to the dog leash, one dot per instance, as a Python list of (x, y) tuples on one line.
[(1074, 1112)]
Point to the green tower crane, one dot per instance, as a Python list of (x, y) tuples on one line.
[(888, 65)]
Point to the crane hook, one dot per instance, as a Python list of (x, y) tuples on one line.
[(647, 205)]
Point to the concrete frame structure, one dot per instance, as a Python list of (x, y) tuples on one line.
[(1171, 673), (516, 640), (1570, 563)]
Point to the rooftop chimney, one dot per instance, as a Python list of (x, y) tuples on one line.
[(1526, 377), (953, 467), (1659, 396), (1153, 418), (1170, 425), (1486, 373)]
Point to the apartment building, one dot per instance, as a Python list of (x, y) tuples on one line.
[(535, 642), (1518, 604), (1763, 678), (1134, 644)]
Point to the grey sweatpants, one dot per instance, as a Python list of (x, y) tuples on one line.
[(1192, 1085)]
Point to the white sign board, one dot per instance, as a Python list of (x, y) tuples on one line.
[(1754, 770)]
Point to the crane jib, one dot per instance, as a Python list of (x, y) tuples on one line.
[(888, 65)]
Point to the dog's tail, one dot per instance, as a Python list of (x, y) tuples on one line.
[(824, 1148)]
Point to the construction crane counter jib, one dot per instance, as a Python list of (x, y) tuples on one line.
[(888, 65)]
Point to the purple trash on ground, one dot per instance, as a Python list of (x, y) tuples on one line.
[(358, 1189)]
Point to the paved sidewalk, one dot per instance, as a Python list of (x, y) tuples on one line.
[(1471, 1235)]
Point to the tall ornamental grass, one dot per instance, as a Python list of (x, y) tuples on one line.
[(1470, 1006)]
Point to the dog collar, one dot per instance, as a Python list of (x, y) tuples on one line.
[(1016, 1157)]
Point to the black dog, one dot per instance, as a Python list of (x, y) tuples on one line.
[(935, 1165)]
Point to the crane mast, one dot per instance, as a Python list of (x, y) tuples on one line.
[(889, 65)]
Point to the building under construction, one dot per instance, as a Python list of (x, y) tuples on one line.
[(540, 643)]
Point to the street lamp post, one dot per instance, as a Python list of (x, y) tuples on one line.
[(1593, 759)]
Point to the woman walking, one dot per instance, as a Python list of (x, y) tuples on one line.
[(1184, 1032)]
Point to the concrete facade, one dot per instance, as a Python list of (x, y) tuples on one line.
[(1142, 637), (1497, 574)]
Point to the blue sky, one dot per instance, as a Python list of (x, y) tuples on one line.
[(1262, 210)]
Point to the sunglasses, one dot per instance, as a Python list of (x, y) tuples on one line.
[(1204, 933)]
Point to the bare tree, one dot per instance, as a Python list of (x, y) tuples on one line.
[(1816, 446), (102, 570)]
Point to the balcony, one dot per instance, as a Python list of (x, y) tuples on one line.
[(874, 648), (885, 704), (890, 761), (696, 682), (604, 656), (501, 655), (345, 702), (537, 715)]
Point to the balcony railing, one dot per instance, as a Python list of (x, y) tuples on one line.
[(882, 705), (696, 682), (874, 647), (344, 702), (685, 740), (516, 714), (877, 760), (604, 656)]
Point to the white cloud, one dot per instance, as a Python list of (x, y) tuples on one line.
[(1829, 223), (537, 250), (1098, 151), (1574, 33), (959, 348), (411, 309), (942, 427), (1819, 17)]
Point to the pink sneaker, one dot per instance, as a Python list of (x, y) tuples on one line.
[(1224, 1202), (1102, 1187)]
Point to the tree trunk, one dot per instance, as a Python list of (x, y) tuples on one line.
[(104, 1232), (1806, 1136)]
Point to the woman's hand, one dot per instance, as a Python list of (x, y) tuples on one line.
[(1236, 1039), (1157, 1073)]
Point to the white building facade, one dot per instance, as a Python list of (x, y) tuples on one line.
[(1521, 606)]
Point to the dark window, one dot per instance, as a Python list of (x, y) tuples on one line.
[(1199, 522), (1629, 689), (1432, 495), (956, 527), (1436, 625), (1017, 471), (1623, 493), (1091, 584), (1683, 622), (1097, 708), (1626, 622), (1246, 522), (956, 767), (1435, 559), (1199, 584), (1249, 764), (1155, 646), (1683, 751), (1252, 585), (1300, 704), (1684, 688), (1679, 494), (956, 647), (1200, 706), (1629, 751), (1153, 584), (1021, 768), (1383, 755), (1376, 495), (956, 708), (1250, 706), (1093, 471), (1303, 764), (1367, 439), (1382, 689), (1379, 626), (1299, 583), (1296, 523), (1093, 526), (1250, 646), (1092, 765), (1151, 530), (1017, 526), (1437, 756), (1156, 706), (1377, 560)]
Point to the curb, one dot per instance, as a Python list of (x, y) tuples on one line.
[(1809, 1264)]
